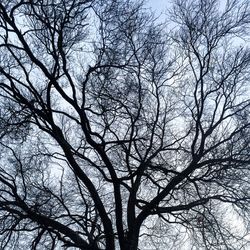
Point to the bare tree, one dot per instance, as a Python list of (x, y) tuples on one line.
[(121, 132)]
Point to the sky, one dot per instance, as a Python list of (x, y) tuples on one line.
[(157, 5)]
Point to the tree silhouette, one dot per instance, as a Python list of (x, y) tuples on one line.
[(121, 132)]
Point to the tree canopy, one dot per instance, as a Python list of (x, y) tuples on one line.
[(119, 130)]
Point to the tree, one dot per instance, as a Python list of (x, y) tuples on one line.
[(121, 132)]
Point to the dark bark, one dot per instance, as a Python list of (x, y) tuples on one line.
[(119, 132)]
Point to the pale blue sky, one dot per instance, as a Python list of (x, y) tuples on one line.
[(158, 5)]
